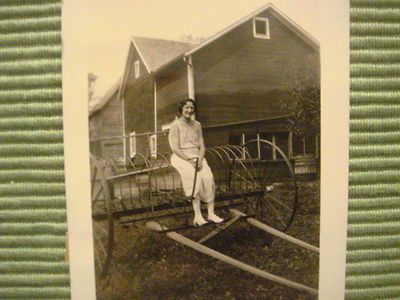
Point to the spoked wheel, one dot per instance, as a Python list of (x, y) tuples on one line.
[(277, 205), (103, 222)]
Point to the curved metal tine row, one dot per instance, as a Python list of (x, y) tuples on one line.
[(220, 167), (250, 170), (263, 173), (147, 172), (289, 191), (172, 185), (114, 171), (159, 178), (237, 175), (212, 161), (97, 188), (135, 194), (131, 191), (250, 179), (232, 161), (178, 193), (252, 166)]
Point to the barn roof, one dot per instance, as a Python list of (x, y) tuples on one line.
[(98, 103), (157, 52)]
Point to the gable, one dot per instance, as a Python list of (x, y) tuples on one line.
[(157, 52), (152, 55), (296, 29)]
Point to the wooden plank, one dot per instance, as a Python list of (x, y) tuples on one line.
[(273, 231)]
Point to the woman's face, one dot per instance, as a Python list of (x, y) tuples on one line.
[(188, 110)]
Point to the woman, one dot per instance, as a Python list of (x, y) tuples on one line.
[(187, 144)]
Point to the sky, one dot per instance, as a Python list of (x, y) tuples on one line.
[(111, 24)]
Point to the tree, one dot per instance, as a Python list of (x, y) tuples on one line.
[(305, 105), (91, 84), (188, 38)]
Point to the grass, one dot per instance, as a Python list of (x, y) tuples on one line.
[(148, 265)]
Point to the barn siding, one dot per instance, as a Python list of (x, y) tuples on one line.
[(239, 77), (172, 86), (107, 122), (139, 110)]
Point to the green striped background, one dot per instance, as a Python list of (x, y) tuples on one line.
[(373, 245), (32, 200), (32, 195)]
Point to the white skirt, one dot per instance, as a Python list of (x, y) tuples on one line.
[(205, 186)]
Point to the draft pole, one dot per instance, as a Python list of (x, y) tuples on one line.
[(229, 260), (273, 231)]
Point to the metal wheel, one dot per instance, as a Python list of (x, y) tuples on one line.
[(103, 222), (278, 204)]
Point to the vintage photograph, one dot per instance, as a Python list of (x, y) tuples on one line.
[(205, 133)]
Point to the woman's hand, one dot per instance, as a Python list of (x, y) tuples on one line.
[(192, 161), (199, 165), (196, 163)]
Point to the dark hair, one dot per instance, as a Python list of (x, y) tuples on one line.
[(182, 103)]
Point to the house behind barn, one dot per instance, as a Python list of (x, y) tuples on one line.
[(105, 121), (240, 79)]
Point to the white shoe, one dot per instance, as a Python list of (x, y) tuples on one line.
[(214, 218), (199, 221)]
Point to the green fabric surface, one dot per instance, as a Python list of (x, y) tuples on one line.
[(32, 196), (373, 244), (32, 189)]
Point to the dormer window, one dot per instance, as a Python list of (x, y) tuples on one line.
[(261, 28), (137, 69)]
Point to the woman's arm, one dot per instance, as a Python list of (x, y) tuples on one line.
[(202, 149), (173, 138)]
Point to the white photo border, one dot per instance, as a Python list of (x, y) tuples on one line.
[(335, 24)]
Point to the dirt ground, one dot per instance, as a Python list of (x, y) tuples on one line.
[(148, 265)]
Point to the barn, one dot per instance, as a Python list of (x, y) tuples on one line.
[(240, 79), (105, 121)]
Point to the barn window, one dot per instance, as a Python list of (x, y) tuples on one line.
[(132, 144), (153, 145), (252, 149), (306, 145), (137, 69), (261, 28)]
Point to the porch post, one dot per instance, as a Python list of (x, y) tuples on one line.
[(290, 144), (155, 116), (190, 74), (274, 149)]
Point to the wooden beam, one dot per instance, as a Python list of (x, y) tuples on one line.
[(273, 231), (219, 228), (229, 260)]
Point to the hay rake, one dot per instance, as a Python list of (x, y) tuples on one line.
[(148, 190)]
